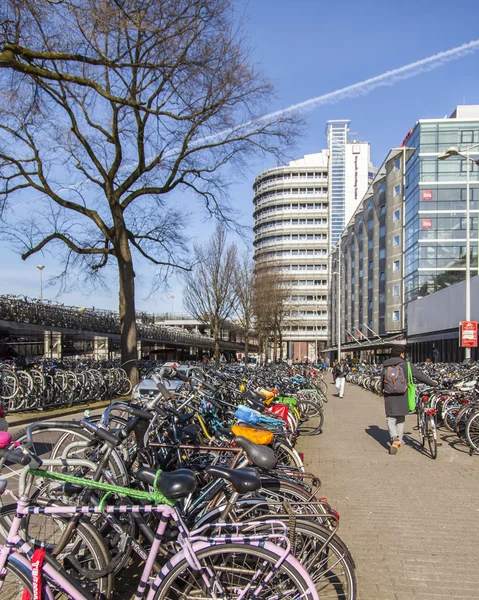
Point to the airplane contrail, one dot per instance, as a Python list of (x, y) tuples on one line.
[(351, 91), (368, 85)]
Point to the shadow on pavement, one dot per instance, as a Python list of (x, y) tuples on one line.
[(380, 435)]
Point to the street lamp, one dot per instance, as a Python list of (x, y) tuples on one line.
[(454, 151), (40, 268), (172, 305), (338, 293)]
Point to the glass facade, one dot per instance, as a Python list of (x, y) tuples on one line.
[(435, 206), (337, 132)]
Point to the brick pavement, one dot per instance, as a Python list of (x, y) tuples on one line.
[(411, 523)]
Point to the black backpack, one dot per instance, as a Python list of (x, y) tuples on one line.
[(394, 380)]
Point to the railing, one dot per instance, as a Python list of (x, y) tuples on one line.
[(50, 314)]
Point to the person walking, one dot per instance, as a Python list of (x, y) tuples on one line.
[(395, 377), (341, 370)]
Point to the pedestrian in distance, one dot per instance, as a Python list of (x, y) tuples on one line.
[(341, 370), (395, 391), (335, 362)]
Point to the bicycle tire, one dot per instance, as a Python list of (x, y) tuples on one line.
[(217, 562), (312, 413), (287, 456), (472, 431), (431, 435), (321, 558), (87, 547), (17, 579)]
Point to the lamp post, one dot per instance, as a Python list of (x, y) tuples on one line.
[(454, 151), (172, 305), (338, 299), (40, 268)]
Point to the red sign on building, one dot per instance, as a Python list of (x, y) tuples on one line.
[(426, 195), (468, 331), (426, 223)]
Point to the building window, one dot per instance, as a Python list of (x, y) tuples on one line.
[(396, 240), (396, 265), (395, 315), (466, 137), (397, 190), (396, 215), (382, 277), (396, 290), (397, 164)]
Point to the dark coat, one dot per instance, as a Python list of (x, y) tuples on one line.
[(396, 405), (341, 370)]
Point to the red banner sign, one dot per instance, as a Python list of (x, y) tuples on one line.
[(426, 195), (468, 331), (426, 223)]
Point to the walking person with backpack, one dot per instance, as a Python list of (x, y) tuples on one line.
[(395, 391)]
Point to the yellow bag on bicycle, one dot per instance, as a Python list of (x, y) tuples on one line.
[(257, 436)]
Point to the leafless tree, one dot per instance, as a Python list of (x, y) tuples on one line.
[(271, 307), (244, 284), (210, 292), (106, 107)]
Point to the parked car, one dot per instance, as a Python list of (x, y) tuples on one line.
[(147, 387)]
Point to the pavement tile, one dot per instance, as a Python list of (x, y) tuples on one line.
[(410, 522)]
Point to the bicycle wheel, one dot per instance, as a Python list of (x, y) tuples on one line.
[(237, 570), (287, 456), (329, 563), (420, 425), (472, 431), (84, 553), (431, 435), (312, 418), (450, 416), (17, 579)]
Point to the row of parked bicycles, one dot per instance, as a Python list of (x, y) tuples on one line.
[(452, 406), (52, 314), (184, 495), (64, 383)]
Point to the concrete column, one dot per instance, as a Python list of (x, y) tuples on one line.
[(53, 344), (100, 348), (139, 349)]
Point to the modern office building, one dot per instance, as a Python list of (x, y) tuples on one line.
[(291, 234), (435, 209), (407, 238), (350, 172), (293, 212), (367, 262)]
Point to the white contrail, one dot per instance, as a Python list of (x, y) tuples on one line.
[(351, 91), (368, 85)]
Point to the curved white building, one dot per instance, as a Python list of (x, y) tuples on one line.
[(292, 230)]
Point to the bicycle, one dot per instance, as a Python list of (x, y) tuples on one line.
[(229, 566), (426, 424)]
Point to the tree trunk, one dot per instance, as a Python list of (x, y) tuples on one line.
[(280, 341), (246, 346), (275, 344), (216, 334), (126, 276)]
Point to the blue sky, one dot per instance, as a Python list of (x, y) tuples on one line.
[(311, 47)]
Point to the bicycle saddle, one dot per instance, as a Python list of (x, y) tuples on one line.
[(173, 486), (243, 480), (261, 456)]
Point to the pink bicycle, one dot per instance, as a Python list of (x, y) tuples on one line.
[(228, 566)]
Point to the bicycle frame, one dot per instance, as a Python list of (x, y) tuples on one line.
[(191, 542)]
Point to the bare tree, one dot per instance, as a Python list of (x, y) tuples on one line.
[(210, 293), (105, 108), (244, 284), (271, 307)]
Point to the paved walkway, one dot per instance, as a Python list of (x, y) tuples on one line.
[(412, 523)]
